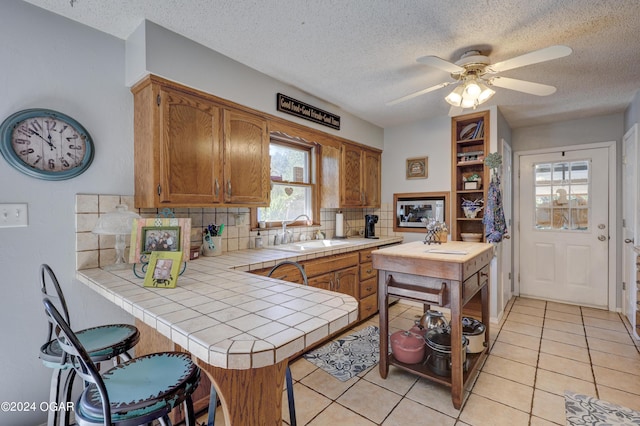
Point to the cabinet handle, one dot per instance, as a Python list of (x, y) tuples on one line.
[(484, 274), (338, 283), (217, 188), (229, 187), (369, 288), (369, 271)]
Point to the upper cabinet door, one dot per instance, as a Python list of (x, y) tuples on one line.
[(371, 179), (352, 192), (190, 150), (246, 159)]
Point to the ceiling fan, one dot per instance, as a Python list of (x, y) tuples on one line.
[(474, 73)]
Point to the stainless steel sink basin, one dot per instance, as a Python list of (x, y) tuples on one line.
[(311, 245)]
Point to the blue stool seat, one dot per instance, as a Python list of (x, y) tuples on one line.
[(135, 392), (141, 389)]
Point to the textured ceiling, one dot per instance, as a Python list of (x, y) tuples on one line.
[(360, 54)]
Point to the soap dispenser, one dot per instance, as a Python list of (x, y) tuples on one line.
[(258, 243)]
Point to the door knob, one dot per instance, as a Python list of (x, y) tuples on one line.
[(602, 237), (507, 237), (628, 240)]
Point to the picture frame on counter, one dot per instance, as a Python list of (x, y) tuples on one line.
[(163, 269), (417, 168), (146, 230)]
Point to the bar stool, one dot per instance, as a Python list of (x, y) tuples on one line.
[(136, 392), (107, 342), (213, 399)]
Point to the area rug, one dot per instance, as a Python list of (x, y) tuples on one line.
[(587, 410), (348, 356)]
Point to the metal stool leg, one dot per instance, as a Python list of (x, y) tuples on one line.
[(213, 403), (292, 406)]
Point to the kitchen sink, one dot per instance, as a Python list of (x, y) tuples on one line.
[(310, 245)]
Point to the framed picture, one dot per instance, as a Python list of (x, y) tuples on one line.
[(163, 270), (160, 238), (147, 230), (417, 168)]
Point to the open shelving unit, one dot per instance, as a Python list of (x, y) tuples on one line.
[(469, 146)]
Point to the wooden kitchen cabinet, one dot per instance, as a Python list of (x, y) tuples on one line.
[(336, 273), (368, 288), (190, 149), (355, 171)]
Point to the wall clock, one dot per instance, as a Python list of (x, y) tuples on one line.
[(46, 144)]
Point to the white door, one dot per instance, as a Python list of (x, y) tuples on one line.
[(564, 226), (507, 184), (630, 218)]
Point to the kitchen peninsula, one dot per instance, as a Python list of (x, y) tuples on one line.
[(241, 328), (447, 275)]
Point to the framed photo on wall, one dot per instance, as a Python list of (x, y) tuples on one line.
[(417, 168)]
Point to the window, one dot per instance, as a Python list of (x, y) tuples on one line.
[(562, 195), (292, 181)]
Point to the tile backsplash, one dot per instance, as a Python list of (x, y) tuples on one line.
[(94, 251)]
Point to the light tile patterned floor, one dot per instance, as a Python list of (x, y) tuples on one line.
[(538, 350)]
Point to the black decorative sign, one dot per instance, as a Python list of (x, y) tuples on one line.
[(308, 112)]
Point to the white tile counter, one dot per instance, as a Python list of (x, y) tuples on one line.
[(229, 318)]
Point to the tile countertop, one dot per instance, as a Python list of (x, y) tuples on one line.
[(232, 319)]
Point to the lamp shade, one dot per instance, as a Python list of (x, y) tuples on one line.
[(118, 222)]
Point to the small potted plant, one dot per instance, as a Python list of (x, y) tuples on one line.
[(472, 182)]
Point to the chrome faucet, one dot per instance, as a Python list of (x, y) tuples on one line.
[(285, 238)]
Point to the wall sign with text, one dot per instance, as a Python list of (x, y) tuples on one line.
[(308, 112)]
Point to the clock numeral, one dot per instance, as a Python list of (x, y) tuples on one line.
[(25, 131), (36, 125), (51, 124), (72, 137), (52, 164), (22, 142), (37, 160), (64, 162), (76, 147), (27, 151)]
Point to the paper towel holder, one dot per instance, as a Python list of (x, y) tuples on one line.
[(339, 234)]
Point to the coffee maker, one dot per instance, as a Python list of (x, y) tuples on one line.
[(370, 221)]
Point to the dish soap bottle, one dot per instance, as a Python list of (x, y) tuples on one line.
[(258, 243)]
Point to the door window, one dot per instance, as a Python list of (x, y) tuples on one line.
[(562, 195)]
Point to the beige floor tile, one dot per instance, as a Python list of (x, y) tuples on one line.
[(327, 385), (398, 381), (570, 367), (336, 414), (563, 307), (619, 397), (549, 407), (615, 325), (518, 327), (611, 335), (308, 404), (600, 313), (525, 319), (480, 411), (537, 421), (528, 310), (620, 349), (564, 337), (562, 349), (616, 362), (523, 301), (623, 381), (559, 383), (433, 395), (409, 412), (301, 368), (512, 370), (400, 323), (519, 339), (515, 353), (564, 316), (564, 326), (504, 391), (369, 400)]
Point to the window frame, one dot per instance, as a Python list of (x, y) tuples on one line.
[(313, 148)]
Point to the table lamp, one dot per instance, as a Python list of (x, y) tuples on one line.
[(116, 223)]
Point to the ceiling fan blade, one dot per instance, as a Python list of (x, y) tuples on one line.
[(435, 62), (542, 55), (523, 86), (418, 93)]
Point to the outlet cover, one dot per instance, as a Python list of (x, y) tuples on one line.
[(13, 215)]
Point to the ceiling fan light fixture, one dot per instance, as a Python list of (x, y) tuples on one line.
[(485, 94), (472, 88), (468, 103)]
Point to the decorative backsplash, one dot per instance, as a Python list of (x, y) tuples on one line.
[(94, 251)]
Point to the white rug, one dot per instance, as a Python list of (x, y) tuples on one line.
[(587, 410), (348, 356)]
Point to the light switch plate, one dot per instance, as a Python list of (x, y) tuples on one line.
[(13, 215)]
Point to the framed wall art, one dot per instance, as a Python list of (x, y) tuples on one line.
[(417, 168), (159, 234), (163, 270)]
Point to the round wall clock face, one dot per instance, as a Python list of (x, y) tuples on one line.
[(46, 144)]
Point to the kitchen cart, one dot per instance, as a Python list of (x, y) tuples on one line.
[(447, 275)]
